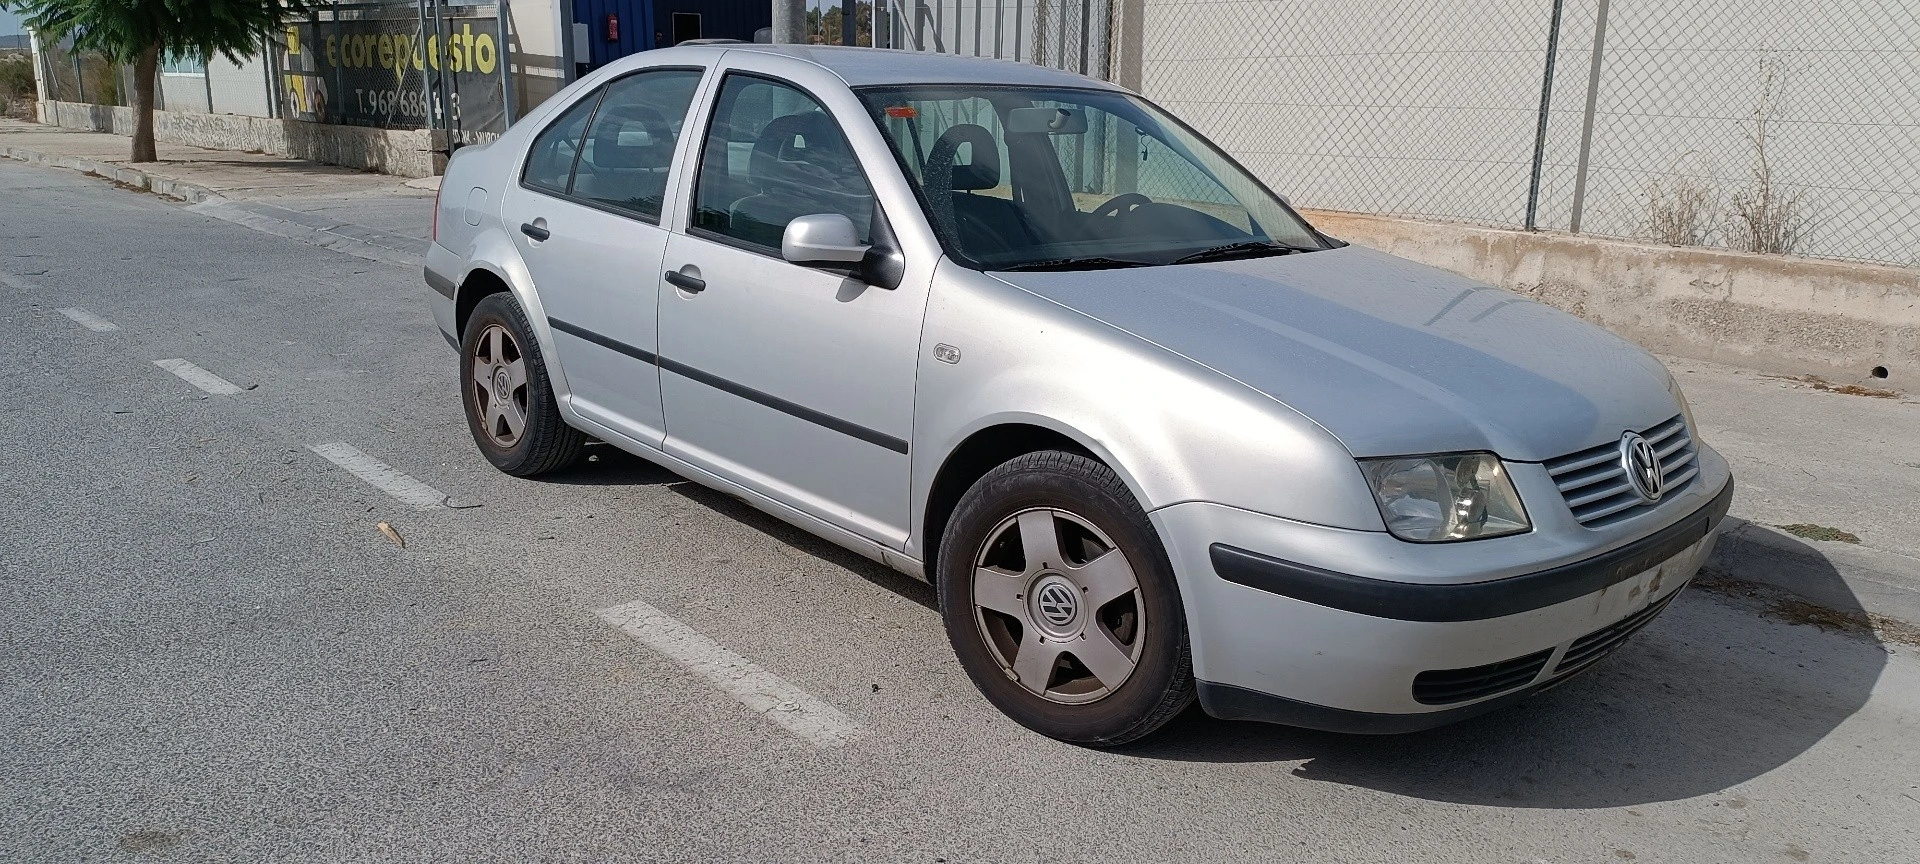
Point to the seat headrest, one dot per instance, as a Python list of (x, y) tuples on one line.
[(982, 168), (629, 136), (801, 147)]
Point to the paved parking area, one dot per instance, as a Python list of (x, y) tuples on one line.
[(209, 650)]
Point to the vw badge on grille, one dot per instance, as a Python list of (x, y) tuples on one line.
[(1642, 466)]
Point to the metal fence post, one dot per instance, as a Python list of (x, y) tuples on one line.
[(1086, 31), (504, 10), (443, 75), (1586, 125), (1540, 134)]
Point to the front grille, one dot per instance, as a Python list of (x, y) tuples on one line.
[(1446, 686), (1588, 649), (1595, 485)]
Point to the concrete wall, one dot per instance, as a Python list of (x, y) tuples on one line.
[(1792, 316), (404, 152)]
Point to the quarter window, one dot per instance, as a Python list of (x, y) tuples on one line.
[(773, 154), (628, 151), (550, 164)]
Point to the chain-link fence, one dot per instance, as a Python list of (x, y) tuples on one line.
[(1764, 125), (85, 76), (1075, 35)]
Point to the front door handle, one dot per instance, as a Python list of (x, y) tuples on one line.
[(689, 284), (534, 231)]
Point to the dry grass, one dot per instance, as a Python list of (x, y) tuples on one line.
[(1810, 531), (1823, 385), (1682, 210), (1767, 216), (16, 85), (1779, 605)]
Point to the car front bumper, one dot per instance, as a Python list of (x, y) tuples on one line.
[(1281, 636)]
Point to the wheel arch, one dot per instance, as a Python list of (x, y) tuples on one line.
[(981, 451), (478, 284)]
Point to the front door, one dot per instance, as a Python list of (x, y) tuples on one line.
[(587, 219), (793, 381)]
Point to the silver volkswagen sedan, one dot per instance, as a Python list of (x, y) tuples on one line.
[(1026, 336)]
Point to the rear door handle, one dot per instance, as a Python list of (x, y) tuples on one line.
[(689, 284), (534, 231)]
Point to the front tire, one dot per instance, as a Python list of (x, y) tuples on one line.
[(510, 405), (1061, 604)]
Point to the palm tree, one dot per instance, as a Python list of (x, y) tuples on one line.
[(140, 32)]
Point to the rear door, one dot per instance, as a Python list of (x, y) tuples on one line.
[(586, 215), (794, 381)]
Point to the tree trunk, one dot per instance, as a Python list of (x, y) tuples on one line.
[(144, 70)]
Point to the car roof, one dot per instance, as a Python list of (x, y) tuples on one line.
[(861, 67)]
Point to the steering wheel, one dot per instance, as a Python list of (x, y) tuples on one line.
[(1120, 205)]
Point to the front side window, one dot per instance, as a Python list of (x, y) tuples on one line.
[(774, 154), (628, 150), (1055, 178)]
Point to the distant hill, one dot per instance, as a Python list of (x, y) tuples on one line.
[(14, 43)]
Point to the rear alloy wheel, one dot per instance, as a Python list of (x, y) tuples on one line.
[(1061, 604), (510, 404)]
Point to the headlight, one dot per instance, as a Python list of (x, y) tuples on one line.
[(1457, 496)]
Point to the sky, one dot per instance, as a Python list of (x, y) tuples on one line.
[(10, 24)]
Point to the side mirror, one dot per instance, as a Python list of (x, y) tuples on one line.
[(822, 240)]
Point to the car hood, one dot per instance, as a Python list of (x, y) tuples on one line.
[(1391, 357)]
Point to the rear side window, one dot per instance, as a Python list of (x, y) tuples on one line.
[(550, 164), (628, 150), (773, 154)]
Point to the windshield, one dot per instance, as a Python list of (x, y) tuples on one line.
[(1065, 179)]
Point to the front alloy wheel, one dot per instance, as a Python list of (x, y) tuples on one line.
[(1058, 605), (1061, 604)]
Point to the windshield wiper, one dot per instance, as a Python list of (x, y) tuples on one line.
[(1242, 249), (1088, 263)]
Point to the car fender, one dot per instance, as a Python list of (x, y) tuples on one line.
[(495, 253), (1174, 430)]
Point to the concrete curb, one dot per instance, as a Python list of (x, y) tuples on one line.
[(1840, 576), (168, 187)]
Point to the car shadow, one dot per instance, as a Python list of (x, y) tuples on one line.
[(607, 465), (1709, 696), (868, 569)]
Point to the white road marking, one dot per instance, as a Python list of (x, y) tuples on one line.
[(199, 377), (15, 282), (380, 475), (765, 693), (88, 320)]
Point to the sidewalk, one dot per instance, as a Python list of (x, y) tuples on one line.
[(371, 215), (1832, 465)]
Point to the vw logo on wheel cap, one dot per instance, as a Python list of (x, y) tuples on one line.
[(1057, 604), (1642, 467)]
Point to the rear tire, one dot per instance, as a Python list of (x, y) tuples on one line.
[(1056, 631), (510, 405)]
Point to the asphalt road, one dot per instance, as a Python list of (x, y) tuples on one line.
[(209, 653)]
